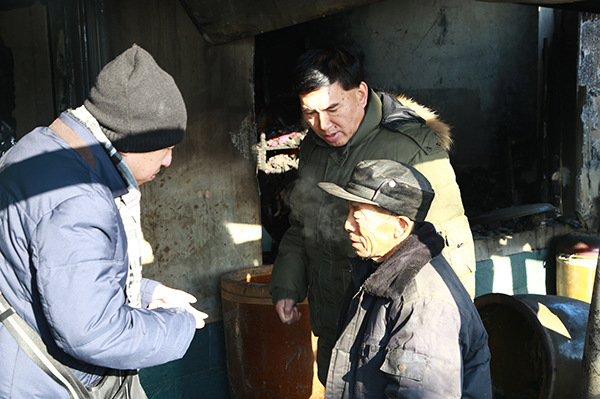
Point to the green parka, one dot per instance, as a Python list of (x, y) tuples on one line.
[(315, 251)]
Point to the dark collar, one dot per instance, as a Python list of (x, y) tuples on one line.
[(390, 279), (394, 114)]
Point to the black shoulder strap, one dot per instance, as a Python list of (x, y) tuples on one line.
[(34, 347)]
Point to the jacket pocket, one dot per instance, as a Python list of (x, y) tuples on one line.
[(405, 364)]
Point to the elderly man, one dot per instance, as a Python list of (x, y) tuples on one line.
[(350, 122), (407, 327), (71, 245)]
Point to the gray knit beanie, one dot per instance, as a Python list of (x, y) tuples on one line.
[(137, 104)]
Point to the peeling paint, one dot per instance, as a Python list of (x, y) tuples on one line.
[(244, 140), (589, 80), (589, 117), (589, 193), (589, 55)]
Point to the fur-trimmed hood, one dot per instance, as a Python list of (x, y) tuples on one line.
[(400, 109), (441, 129)]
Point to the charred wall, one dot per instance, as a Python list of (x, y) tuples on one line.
[(474, 63), (588, 176)]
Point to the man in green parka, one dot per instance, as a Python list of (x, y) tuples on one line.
[(350, 122)]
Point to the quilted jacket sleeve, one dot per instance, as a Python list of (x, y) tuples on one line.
[(77, 251), (288, 279)]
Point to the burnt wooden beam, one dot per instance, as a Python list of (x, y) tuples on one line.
[(572, 5), (228, 20)]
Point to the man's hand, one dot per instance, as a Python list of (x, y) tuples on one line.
[(165, 297), (287, 311)]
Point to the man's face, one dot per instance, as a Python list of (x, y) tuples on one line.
[(146, 165), (334, 113), (371, 231)]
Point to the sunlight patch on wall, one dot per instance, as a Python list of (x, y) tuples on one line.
[(241, 232)]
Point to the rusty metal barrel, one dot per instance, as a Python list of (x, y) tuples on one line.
[(265, 358), (536, 342)]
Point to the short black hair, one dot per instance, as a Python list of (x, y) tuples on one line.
[(324, 66)]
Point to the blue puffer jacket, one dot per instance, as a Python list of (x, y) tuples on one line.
[(63, 267)]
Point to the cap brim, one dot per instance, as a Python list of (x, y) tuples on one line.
[(339, 192)]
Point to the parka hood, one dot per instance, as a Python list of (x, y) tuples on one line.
[(398, 110)]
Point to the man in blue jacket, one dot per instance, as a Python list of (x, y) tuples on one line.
[(71, 245)]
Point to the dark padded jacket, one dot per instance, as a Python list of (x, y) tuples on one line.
[(408, 329)]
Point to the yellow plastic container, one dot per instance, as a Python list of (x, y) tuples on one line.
[(576, 259), (575, 275)]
